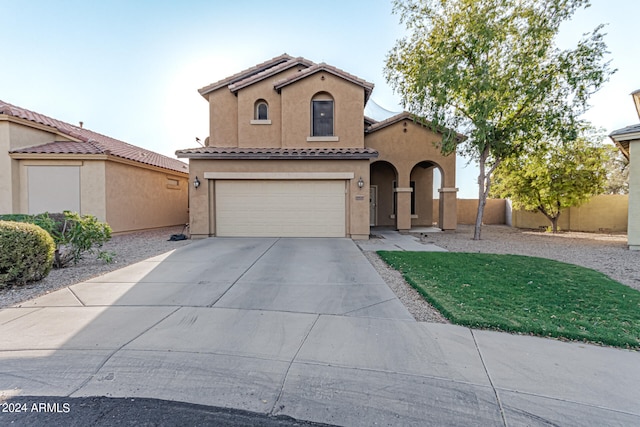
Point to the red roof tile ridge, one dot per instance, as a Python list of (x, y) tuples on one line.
[(416, 119), (245, 73), (368, 87), (32, 116), (103, 143), (279, 150), (270, 72)]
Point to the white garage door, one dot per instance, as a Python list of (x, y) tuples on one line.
[(266, 208)]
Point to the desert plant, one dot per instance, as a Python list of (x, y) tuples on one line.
[(79, 235), (26, 252), (74, 235)]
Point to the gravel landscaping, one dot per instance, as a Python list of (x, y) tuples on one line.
[(129, 248)]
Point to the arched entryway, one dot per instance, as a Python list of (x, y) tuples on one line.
[(382, 197), (425, 181)]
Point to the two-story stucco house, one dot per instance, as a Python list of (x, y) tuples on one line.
[(291, 154)]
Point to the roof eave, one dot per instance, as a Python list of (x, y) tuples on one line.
[(241, 84), (415, 119), (368, 87), (236, 156), (622, 144), (204, 91)]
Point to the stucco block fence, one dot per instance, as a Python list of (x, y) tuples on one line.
[(604, 213)]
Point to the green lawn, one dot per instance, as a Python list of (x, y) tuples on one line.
[(524, 294)]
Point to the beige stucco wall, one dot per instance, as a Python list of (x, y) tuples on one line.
[(6, 167), (633, 232), (127, 197), (223, 118), (202, 218), (139, 198), (348, 111), (494, 211), (608, 213), (406, 145), (261, 135), (230, 114)]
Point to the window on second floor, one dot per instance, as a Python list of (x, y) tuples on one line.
[(322, 115), (261, 110)]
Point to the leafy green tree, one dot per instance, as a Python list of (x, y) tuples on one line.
[(553, 177), (490, 69), (617, 172)]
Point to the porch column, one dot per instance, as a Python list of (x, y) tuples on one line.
[(633, 228), (403, 208), (448, 209)]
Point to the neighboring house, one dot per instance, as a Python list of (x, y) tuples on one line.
[(628, 141), (49, 166), (290, 153)]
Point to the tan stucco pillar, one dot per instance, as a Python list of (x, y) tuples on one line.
[(448, 214), (403, 208), (633, 228)]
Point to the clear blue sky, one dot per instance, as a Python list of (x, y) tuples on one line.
[(131, 69)]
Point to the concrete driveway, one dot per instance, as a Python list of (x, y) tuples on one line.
[(304, 328)]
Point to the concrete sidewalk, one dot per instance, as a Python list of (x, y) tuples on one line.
[(391, 240), (299, 327)]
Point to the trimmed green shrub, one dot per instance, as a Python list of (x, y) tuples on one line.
[(26, 252)]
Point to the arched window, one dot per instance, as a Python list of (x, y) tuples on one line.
[(322, 115), (261, 110)]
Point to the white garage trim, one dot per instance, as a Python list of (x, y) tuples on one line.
[(279, 175), (280, 208)]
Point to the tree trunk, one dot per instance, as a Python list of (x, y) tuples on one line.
[(551, 218), (484, 185), (482, 200)]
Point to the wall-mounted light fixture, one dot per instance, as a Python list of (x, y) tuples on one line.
[(360, 183), (196, 182)]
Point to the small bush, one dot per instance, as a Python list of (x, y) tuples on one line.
[(79, 235), (26, 252), (73, 235)]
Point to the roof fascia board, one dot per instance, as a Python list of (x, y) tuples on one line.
[(636, 100), (368, 87), (57, 156), (626, 136), (236, 156), (95, 157), (412, 118)]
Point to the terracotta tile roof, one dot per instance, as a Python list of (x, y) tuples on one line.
[(245, 74), (368, 121), (406, 116), (277, 153), (270, 72), (279, 64), (368, 87), (89, 142), (62, 147)]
